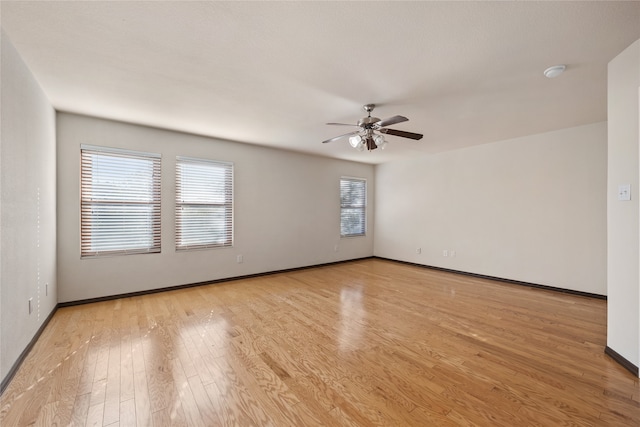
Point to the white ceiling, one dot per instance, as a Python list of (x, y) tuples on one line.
[(273, 73)]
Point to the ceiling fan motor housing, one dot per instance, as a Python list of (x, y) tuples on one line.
[(368, 122)]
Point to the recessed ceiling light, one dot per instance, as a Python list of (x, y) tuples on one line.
[(554, 71)]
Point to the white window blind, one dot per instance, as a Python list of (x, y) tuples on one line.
[(353, 206), (204, 203), (119, 202)]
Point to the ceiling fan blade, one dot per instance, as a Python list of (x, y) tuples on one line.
[(340, 124), (392, 121), (401, 133), (340, 136)]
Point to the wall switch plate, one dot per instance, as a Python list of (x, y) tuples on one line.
[(335, 248), (624, 192), (445, 253), (452, 253), (239, 259), (418, 250), (30, 305)]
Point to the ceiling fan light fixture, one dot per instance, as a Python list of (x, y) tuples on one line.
[(355, 140), (380, 141), (554, 71)]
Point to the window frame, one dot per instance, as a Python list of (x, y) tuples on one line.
[(228, 205), (89, 219), (352, 206)]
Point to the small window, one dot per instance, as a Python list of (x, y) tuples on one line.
[(119, 202), (353, 207), (204, 204)]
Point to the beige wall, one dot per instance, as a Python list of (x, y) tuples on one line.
[(287, 212), (623, 326), (27, 207), (531, 209)]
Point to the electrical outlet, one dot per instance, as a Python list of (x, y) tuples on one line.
[(452, 253), (418, 250), (240, 259), (624, 192), (445, 253)]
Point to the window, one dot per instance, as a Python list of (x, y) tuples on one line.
[(353, 206), (204, 203), (119, 202)]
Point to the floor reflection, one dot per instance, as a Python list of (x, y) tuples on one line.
[(352, 318)]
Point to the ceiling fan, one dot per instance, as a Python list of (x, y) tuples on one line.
[(372, 131)]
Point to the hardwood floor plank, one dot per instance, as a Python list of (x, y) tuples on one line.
[(185, 397), (98, 392), (369, 342), (80, 409), (95, 415), (312, 389), (141, 400), (127, 389), (235, 389), (66, 396), (47, 415), (207, 407), (114, 362), (128, 413)]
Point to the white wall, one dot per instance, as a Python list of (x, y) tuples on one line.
[(287, 212), (623, 325), (27, 207), (531, 209)]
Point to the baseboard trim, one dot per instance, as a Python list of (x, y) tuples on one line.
[(621, 360), (208, 282), (7, 379), (499, 279)]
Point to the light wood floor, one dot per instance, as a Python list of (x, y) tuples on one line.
[(364, 343)]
